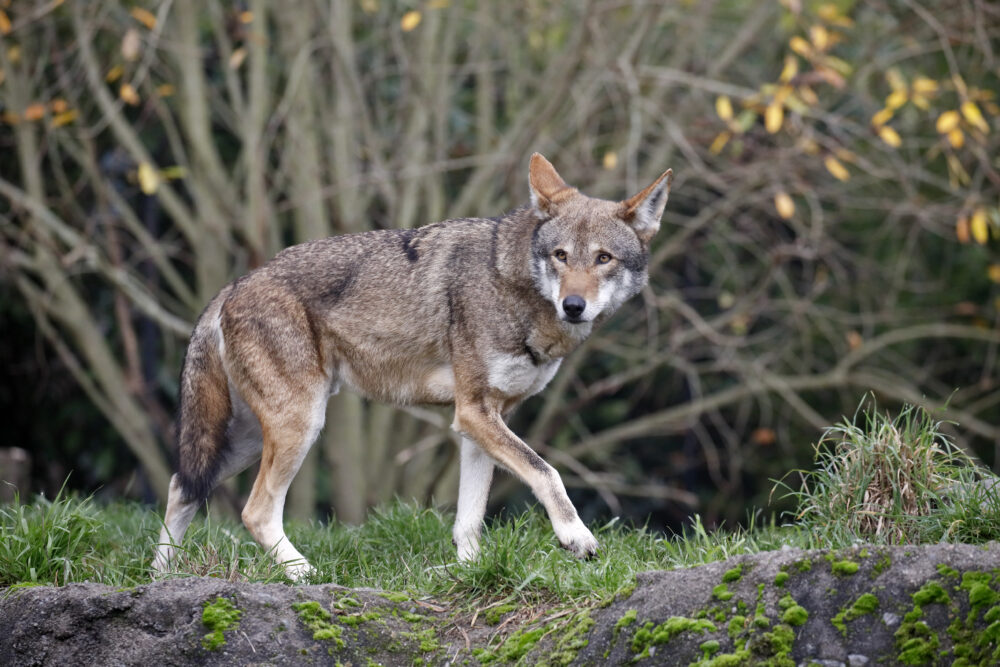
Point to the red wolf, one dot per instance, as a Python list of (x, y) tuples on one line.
[(473, 312)]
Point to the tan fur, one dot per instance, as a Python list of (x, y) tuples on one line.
[(467, 312)]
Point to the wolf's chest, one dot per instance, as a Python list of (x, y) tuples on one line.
[(519, 375)]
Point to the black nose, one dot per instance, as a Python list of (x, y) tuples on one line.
[(573, 306)]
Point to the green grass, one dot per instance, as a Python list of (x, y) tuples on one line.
[(885, 480), (404, 547), (401, 547)]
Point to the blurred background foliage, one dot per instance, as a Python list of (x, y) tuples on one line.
[(833, 228)]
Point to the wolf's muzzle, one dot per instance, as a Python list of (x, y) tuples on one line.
[(574, 306)]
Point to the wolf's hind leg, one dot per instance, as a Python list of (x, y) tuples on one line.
[(475, 475), (287, 439), (243, 449)]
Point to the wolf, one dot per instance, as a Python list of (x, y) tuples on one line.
[(476, 313)]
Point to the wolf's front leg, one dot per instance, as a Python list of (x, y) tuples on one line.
[(482, 422), (473, 491)]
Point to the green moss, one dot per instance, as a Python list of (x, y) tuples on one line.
[(722, 592), (916, 643), (795, 616), (737, 659), (803, 565), (627, 619), (709, 648), (316, 618), (946, 571), (648, 635), (884, 564), (865, 604), (786, 602), (571, 639), (733, 575), (354, 620), (426, 638), (218, 617), (395, 597), (494, 614), (518, 644), (410, 617), (737, 624), (844, 568), (780, 579), (930, 593)]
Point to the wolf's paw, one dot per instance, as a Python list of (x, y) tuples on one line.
[(299, 569), (579, 541), (467, 546)]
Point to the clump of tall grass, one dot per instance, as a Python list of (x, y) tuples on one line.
[(896, 480), (48, 541)]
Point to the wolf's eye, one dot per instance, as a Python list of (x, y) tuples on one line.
[(560, 255), (603, 258)]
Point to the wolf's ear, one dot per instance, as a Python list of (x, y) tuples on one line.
[(548, 188), (643, 211)]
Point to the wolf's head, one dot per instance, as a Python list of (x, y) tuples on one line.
[(589, 255)]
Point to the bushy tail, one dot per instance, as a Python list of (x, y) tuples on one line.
[(204, 414)]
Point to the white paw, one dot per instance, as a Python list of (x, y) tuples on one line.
[(299, 569), (467, 545), (577, 539)]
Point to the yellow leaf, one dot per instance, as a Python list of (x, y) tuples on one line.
[(438, 4), (994, 272), (975, 117), (808, 96), (724, 107), (165, 90), (14, 54), (947, 121), (34, 111), (895, 79), (410, 20), (610, 160), (369, 6), (835, 167), (896, 99), (979, 227), (144, 16), (820, 37), (128, 94), (237, 57), (58, 105), (962, 229), (10, 118), (890, 136), (114, 74), (845, 155), (956, 138), (784, 204), (809, 146), (4, 23), (882, 117), (800, 46), (149, 180), (774, 117), (924, 86), (790, 69), (173, 173), (64, 118), (920, 101), (246, 17), (719, 142)]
